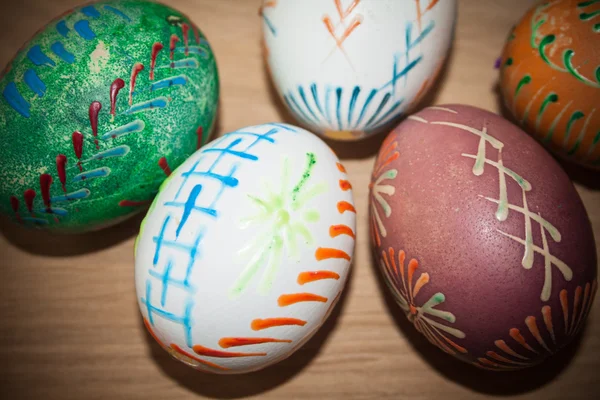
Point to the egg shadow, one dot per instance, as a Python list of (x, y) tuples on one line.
[(478, 380), (53, 244), (579, 174), (369, 146), (250, 384)]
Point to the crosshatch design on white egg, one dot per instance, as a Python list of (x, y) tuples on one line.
[(349, 68), (246, 249)]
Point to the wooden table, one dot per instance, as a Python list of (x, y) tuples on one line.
[(69, 322)]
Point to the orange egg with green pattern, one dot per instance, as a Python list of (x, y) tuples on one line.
[(97, 109), (550, 77)]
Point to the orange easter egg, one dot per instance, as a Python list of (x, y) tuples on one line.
[(550, 77)]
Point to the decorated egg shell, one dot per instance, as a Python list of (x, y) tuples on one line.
[(246, 249), (348, 69), (97, 109), (481, 237), (550, 77)]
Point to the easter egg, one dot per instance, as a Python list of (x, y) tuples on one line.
[(246, 249), (550, 77), (96, 111), (347, 69), (481, 237)]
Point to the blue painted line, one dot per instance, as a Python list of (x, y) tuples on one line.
[(172, 282), (186, 63), (61, 27), (94, 173), (188, 207), (53, 210), (58, 49), (159, 102), (83, 29), (206, 210), (315, 95), (146, 301), (165, 282), (222, 188), (159, 239), (385, 116), (228, 150), (117, 12), (135, 126), (256, 135), (338, 106), (423, 34), (365, 106), (300, 110), (37, 56), (355, 94), (39, 221), (270, 25), (193, 254), (162, 313), (187, 322), (308, 107), (384, 101), (327, 108), (193, 50), (90, 11), (34, 82), (15, 100), (166, 83), (77, 195), (402, 73), (119, 151), (186, 175), (282, 126)]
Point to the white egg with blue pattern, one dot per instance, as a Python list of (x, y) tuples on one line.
[(246, 249)]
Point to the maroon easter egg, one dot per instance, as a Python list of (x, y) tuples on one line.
[(481, 237)]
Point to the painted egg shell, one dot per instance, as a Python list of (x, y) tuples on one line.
[(481, 237), (550, 77), (246, 249), (348, 68), (97, 109)]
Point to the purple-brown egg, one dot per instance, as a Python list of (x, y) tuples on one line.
[(481, 237)]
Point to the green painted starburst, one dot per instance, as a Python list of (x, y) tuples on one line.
[(281, 226)]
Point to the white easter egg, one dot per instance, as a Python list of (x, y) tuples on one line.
[(246, 249), (350, 68)]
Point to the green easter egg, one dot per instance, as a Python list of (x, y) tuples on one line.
[(97, 109)]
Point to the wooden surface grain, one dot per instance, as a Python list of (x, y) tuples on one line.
[(69, 322)]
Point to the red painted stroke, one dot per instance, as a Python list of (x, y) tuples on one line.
[(236, 342), (137, 68), (186, 30), (131, 203), (289, 299), (156, 48), (344, 206), (61, 163), (312, 276), (95, 108), (115, 87), (172, 42), (14, 203), (77, 139), (164, 165), (323, 253), (260, 324), (45, 182), (29, 196)]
